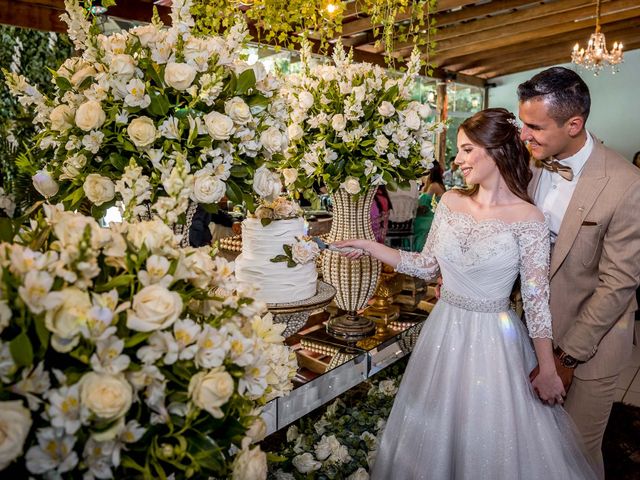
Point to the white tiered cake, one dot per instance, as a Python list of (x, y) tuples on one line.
[(277, 283)]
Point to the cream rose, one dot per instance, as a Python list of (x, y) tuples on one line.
[(386, 109), (219, 126), (304, 252), (98, 189), (80, 75), (61, 118), (154, 308), (142, 132), (263, 212), (211, 390), (338, 122), (271, 139), (295, 131), (156, 235), (123, 67), (305, 463), (306, 100), (67, 311), (250, 464), (208, 188), (424, 110), (257, 431), (266, 183), (44, 184), (15, 423), (179, 75), (360, 474), (107, 396), (238, 110), (5, 315), (290, 176), (351, 185), (90, 116), (146, 34)]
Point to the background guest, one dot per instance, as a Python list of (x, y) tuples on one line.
[(431, 192), (380, 213)]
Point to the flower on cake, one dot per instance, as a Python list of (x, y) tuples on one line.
[(154, 118), (303, 250), (354, 125), (118, 356), (281, 208)]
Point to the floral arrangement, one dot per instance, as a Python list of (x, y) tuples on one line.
[(154, 118), (280, 208), (303, 250), (124, 355), (7, 203), (354, 126), (343, 442)]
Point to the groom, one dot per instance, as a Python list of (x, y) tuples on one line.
[(591, 196)]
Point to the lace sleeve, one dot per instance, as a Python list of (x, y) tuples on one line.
[(423, 264), (533, 238)]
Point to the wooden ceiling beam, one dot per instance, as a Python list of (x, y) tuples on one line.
[(501, 37), (477, 11), (532, 49), (530, 64), (25, 15)]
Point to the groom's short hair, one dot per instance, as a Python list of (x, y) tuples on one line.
[(563, 91)]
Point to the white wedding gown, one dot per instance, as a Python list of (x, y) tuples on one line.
[(466, 408)]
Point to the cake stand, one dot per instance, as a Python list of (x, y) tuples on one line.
[(296, 314)]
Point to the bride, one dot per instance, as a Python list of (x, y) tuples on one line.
[(466, 408)]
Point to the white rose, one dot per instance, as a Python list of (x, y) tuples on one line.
[(263, 212), (146, 34), (238, 110), (305, 463), (306, 100), (211, 390), (304, 252), (154, 308), (283, 208), (15, 423), (295, 131), (44, 184), (386, 109), (424, 110), (257, 431), (85, 72), (107, 396), (156, 235), (90, 116), (122, 67), (208, 188), (266, 183), (98, 189), (426, 149), (412, 120), (351, 185), (290, 176), (219, 126), (61, 118), (179, 75), (250, 464), (360, 474), (271, 139), (142, 131), (68, 310), (388, 387), (338, 122)]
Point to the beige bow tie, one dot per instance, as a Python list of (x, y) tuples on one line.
[(556, 167)]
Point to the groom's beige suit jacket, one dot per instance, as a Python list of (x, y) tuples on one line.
[(595, 265)]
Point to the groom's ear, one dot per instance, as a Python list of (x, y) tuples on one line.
[(575, 125)]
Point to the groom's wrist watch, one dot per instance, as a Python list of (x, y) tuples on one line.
[(566, 360)]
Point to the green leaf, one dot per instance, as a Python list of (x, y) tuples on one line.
[(287, 250), (136, 339), (280, 258), (85, 83), (239, 171), (42, 332), (153, 75), (63, 84), (75, 197), (21, 350), (159, 103), (291, 263), (246, 81), (234, 193), (6, 230), (115, 282), (265, 221)]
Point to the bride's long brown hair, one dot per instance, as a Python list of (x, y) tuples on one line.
[(495, 130)]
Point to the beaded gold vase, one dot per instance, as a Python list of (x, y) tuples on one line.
[(355, 280)]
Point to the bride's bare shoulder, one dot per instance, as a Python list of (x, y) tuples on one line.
[(525, 212), (454, 199)]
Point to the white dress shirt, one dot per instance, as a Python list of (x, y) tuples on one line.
[(554, 192)]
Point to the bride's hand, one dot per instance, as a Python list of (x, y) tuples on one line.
[(359, 248), (549, 388)]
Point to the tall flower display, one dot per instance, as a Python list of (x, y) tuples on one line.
[(353, 126), (124, 355), (154, 118)]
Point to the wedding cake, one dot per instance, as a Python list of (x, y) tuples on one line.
[(277, 282)]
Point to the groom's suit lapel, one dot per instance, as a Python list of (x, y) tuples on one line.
[(590, 184)]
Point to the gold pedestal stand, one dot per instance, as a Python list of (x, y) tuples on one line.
[(381, 308)]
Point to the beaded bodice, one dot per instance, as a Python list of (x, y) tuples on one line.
[(480, 260)]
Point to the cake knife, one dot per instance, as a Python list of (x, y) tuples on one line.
[(328, 246)]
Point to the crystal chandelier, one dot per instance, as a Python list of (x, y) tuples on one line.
[(596, 56)]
